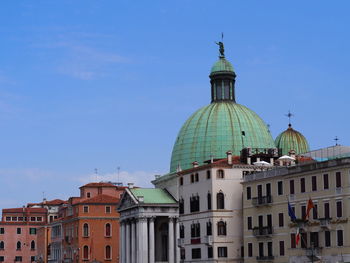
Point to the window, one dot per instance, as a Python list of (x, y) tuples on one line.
[(314, 239), (33, 218), (291, 187), (2, 258), (269, 249), (220, 200), (88, 195), (280, 188), (314, 183), (339, 209), (208, 174), (210, 252), (209, 229), (195, 230), (280, 220), (340, 238), (108, 209), (303, 240), (32, 231), (14, 218), (182, 231), (196, 253), (281, 248), (85, 252), (2, 245), (303, 211), (18, 259), (192, 178), (221, 228), (181, 180), (269, 220), (327, 238), (220, 174), (302, 185), (209, 201), (19, 230), (261, 249), (222, 252), (108, 230), (181, 206), (326, 210), (2, 230), (86, 209), (196, 177), (249, 222), (194, 203), (18, 245), (182, 253), (338, 179), (8, 218), (39, 219), (268, 189), (325, 182), (259, 189), (249, 193), (32, 245), (250, 250), (32, 258), (108, 253), (314, 212), (85, 230), (292, 241)]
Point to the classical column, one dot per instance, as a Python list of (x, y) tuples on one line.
[(151, 246), (142, 240), (171, 240), (133, 242), (127, 243), (122, 242), (177, 236)]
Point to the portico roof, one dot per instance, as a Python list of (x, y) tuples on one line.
[(153, 195)]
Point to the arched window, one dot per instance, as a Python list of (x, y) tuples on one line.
[(108, 252), (32, 245), (220, 200), (108, 230), (181, 180), (19, 245), (2, 245), (181, 206), (220, 174), (86, 230), (85, 252), (222, 228), (209, 201)]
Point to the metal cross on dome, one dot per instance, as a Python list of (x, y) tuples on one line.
[(289, 115)]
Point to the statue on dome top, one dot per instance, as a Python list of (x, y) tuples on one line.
[(221, 48)]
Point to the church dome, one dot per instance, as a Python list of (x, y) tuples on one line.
[(220, 126), (291, 139)]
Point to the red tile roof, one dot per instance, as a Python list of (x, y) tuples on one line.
[(24, 210), (50, 202), (98, 185), (100, 199)]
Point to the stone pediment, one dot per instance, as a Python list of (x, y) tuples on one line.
[(126, 201)]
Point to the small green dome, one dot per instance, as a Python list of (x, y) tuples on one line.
[(291, 139), (222, 65), (215, 129)]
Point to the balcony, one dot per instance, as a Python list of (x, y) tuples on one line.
[(264, 231), (180, 242), (262, 200), (208, 240), (325, 222), (265, 258), (313, 251)]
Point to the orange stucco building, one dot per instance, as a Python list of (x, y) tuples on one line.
[(88, 226)]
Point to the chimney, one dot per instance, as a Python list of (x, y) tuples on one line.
[(195, 164), (229, 157), (130, 185)]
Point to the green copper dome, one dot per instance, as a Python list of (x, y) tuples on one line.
[(215, 129), (291, 139), (222, 65)]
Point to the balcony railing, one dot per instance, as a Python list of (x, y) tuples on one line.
[(264, 231), (325, 222), (262, 200), (315, 251), (265, 258), (208, 240)]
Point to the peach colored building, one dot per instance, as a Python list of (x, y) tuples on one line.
[(88, 227), (18, 233)]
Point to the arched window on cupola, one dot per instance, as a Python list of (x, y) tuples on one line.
[(19, 245), (108, 253), (85, 252), (108, 230), (32, 245), (85, 230)]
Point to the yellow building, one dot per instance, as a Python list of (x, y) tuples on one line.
[(269, 232)]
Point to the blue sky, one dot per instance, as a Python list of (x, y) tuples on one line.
[(107, 84)]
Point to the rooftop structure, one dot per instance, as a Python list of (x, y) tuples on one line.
[(292, 140)]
